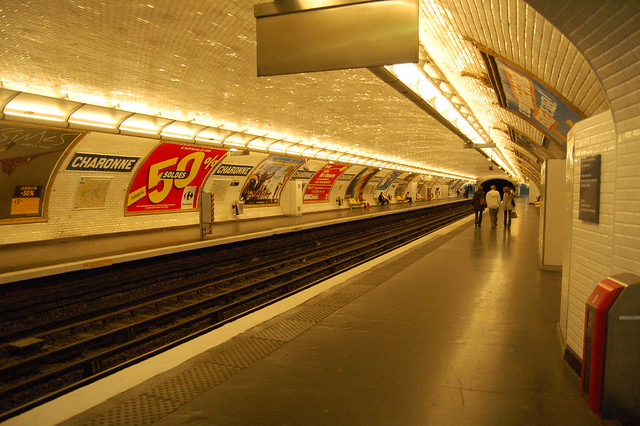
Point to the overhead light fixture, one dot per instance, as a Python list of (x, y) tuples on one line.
[(35, 108), (278, 146), (212, 135), (144, 124), (236, 142), (295, 149), (322, 154), (181, 130), (310, 151), (29, 107), (92, 116), (258, 144), (438, 96)]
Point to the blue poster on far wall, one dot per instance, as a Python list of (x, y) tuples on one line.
[(531, 147), (540, 105), (386, 182)]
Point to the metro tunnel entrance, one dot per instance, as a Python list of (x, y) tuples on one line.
[(499, 183)]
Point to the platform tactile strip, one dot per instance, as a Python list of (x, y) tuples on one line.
[(141, 410), (285, 330), (246, 352), (315, 313), (358, 289), (193, 382), (338, 299), (169, 395)]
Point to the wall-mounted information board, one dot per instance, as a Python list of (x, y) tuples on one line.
[(589, 208)]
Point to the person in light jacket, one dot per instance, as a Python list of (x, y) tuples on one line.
[(493, 204), (507, 206)]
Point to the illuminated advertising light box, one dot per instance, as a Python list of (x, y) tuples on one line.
[(532, 100), (264, 185), (319, 187), (531, 147), (171, 177), (29, 156), (386, 183), (356, 187), (295, 36)]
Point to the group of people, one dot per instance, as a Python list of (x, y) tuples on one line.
[(386, 199), (383, 199), (493, 201)]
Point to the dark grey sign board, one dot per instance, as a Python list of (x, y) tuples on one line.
[(589, 209)]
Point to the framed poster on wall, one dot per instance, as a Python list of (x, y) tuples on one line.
[(170, 178), (29, 156), (535, 101), (265, 183), (319, 187)]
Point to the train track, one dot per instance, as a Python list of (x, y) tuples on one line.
[(99, 327)]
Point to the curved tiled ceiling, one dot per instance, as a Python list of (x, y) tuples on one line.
[(195, 60)]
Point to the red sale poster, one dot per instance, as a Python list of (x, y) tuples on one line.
[(170, 178), (321, 183)]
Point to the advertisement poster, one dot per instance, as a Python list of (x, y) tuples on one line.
[(170, 178), (388, 180), (526, 156), (29, 156), (265, 183), (537, 103), (420, 185), (401, 189), (355, 188), (319, 188), (529, 171), (529, 146)]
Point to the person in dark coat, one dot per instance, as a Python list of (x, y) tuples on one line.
[(479, 204)]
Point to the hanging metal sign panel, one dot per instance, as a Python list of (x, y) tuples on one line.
[(296, 36), (538, 104)]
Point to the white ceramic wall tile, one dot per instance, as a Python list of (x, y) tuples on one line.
[(589, 256)]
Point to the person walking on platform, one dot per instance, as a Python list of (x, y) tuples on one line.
[(507, 206), (493, 203), (478, 202)]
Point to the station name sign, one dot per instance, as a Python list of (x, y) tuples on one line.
[(102, 163), (303, 174), (233, 170)]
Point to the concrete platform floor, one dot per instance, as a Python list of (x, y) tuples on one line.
[(460, 329)]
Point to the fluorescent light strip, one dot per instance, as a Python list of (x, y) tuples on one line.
[(157, 126), (436, 95), (176, 136), (34, 115), (232, 143), (140, 130)]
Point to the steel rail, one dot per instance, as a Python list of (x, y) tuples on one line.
[(208, 311)]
